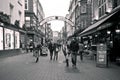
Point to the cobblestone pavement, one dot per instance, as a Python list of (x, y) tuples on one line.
[(23, 67)]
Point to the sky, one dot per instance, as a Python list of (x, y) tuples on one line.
[(55, 8)]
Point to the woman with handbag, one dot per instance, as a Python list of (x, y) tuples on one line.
[(36, 52)]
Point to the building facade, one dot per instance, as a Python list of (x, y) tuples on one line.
[(11, 24), (72, 13), (105, 27), (48, 33), (68, 27), (82, 14), (33, 15), (56, 37)]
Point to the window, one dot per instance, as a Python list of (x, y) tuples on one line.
[(35, 7), (20, 15), (85, 24), (20, 2), (89, 1), (102, 7), (1, 38), (27, 18), (26, 4), (82, 25), (83, 8), (11, 12), (27, 21)]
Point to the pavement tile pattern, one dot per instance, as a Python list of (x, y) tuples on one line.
[(23, 67)]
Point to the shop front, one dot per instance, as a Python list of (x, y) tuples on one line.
[(106, 31), (10, 39), (9, 36)]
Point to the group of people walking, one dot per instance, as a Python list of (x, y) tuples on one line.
[(73, 48), (54, 48), (70, 49)]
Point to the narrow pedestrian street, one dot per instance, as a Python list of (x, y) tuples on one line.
[(23, 67)]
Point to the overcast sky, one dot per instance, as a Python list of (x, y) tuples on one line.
[(55, 8)]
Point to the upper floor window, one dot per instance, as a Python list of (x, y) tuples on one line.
[(101, 2), (26, 4), (102, 7), (27, 21), (116, 3), (83, 24), (83, 8), (11, 12), (20, 2)]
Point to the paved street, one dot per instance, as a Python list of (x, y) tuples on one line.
[(23, 67)]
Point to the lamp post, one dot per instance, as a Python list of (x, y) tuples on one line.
[(117, 30)]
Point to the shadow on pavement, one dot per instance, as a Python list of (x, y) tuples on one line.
[(71, 70)]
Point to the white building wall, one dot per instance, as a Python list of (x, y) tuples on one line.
[(5, 7), (71, 16), (17, 8)]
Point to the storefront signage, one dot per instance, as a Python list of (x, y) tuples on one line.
[(101, 55)]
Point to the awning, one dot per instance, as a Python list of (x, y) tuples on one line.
[(95, 27)]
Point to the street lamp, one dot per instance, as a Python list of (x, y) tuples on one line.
[(108, 32), (117, 29)]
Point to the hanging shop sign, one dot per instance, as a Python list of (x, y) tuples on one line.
[(1, 38), (101, 55)]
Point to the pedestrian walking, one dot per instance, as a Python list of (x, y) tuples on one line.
[(64, 49), (36, 51), (66, 52), (39, 46), (27, 47), (31, 46), (74, 47), (51, 48), (81, 50), (56, 46)]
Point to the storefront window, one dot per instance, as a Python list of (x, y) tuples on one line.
[(17, 40), (1, 38), (9, 39)]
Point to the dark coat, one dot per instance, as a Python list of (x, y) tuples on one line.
[(74, 46), (51, 46)]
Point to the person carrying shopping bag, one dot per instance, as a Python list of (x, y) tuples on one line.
[(36, 52), (66, 53)]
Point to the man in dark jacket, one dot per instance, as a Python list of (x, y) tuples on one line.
[(74, 47), (51, 48)]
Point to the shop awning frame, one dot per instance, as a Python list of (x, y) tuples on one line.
[(95, 27)]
